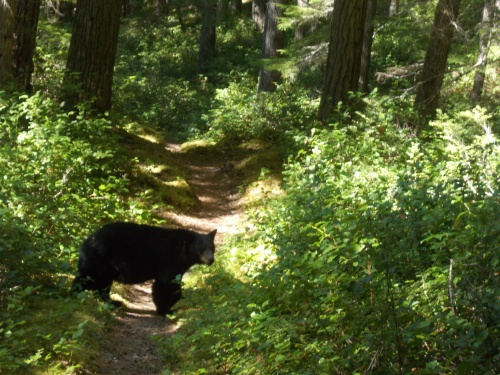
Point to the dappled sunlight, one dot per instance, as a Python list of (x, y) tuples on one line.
[(136, 319), (364, 243)]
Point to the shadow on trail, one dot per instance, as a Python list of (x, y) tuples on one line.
[(212, 177), (202, 184)]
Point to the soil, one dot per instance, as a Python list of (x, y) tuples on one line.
[(129, 347)]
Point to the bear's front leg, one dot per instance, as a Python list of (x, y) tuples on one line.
[(101, 285), (165, 295)]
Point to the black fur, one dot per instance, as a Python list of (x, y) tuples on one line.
[(133, 253)]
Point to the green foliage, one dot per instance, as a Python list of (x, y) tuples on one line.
[(240, 113), (152, 82), (157, 77), (30, 342), (51, 50), (402, 39), (382, 257), (61, 176)]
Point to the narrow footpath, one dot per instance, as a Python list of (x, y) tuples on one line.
[(129, 348)]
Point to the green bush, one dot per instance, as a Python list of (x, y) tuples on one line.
[(61, 177), (240, 113), (382, 257)]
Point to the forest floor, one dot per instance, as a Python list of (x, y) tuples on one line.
[(129, 347)]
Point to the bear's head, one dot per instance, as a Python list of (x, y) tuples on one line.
[(204, 246)]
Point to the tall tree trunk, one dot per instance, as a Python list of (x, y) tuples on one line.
[(367, 46), (427, 99), (92, 52), (126, 8), (8, 12), (490, 11), (274, 40), (389, 8), (163, 7), (259, 13), (301, 29), (28, 12), (18, 24), (393, 7), (180, 19), (236, 6), (222, 11), (344, 54), (207, 36)]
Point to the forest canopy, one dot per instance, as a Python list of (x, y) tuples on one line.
[(380, 251)]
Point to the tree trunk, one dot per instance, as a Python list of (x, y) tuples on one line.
[(180, 19), (274, 40), (163, 7), (92, 52), (18, 24), (222, 11), (491, 8), (259, 13), (236, 6), (394, 7), (367, 46), (26, 24), (344, 54), (207, 37), (126, 8), (7, 25), (389, 8), (301, 29), (427, 98)]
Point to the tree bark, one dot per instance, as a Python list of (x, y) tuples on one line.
[(18, 24), (26, 24), (92, 52), (344, 54), (163, 7), (427, 99), (274, 40), (389, 8), (7, 24), (301, 29), (367, 46), (259, 13), (490, 11), (394, 7), (207, 37)]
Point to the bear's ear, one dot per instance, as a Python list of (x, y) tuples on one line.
[(212, 234)]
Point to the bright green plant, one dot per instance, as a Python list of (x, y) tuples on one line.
[(61, 178), (240, 113), (381, 258)]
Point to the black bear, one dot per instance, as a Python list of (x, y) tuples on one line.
[(133, 253)]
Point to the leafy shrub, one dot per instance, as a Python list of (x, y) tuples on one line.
[(157, 75), (382, 257), (240, 113), (61, 177), (155, 84), (403, 38)]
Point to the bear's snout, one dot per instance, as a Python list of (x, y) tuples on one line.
[(207, 257)]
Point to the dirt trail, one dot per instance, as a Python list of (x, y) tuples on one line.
[(129, 347)]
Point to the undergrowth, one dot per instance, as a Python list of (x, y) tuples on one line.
[(379, 252), (381, 257), (62, 176)]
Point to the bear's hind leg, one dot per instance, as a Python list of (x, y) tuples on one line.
[(165, 295)]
